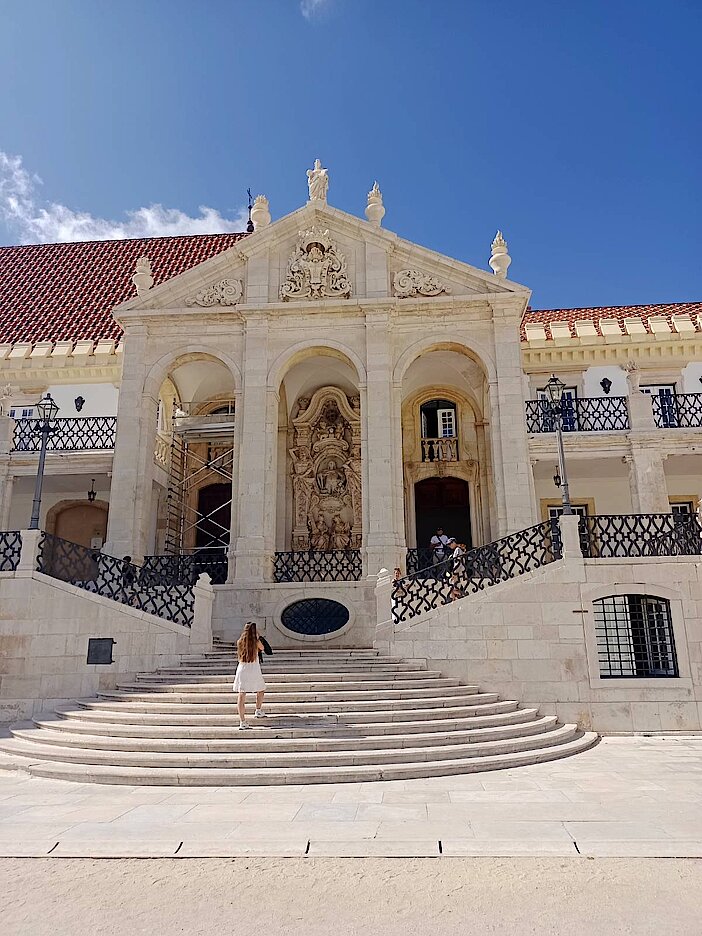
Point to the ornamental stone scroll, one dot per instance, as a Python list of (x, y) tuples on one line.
[(408, 283), (225, 292)]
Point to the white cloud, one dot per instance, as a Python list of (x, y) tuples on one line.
[(37, 222), (308, 8)]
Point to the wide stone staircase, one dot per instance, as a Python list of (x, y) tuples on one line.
[(332, 716)]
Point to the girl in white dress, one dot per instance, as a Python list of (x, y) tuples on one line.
[(249, 677)]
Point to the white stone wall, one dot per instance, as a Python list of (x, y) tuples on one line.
[(44, 629), (264, 604), (532, 639)]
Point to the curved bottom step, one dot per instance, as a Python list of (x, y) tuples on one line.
[(165, 776)]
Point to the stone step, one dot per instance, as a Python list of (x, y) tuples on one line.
[(299, 703), (264, 776), (30, 747), (274, 686), (138, 725), (333, 716), (342, 679), (207, 714), (275, 694), (61, 732)]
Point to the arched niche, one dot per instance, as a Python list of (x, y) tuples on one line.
[(325, 470)]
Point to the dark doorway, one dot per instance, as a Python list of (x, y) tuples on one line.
[(214, 507), (442, 502)]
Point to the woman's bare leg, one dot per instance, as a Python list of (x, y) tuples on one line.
[(259, 699), (241, 705)]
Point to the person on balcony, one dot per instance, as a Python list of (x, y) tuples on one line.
[(249, 677)]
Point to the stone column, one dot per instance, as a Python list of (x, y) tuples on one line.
[(258, 440), (640, 404), (384, 537), (7, 428), (129, 523), (649, 491), (516, 499)]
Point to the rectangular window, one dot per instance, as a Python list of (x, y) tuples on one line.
[(579, 509), (665, 404), (634, 636), (682, 508), (569, 410), (446, 420)]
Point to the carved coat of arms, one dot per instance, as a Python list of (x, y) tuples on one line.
[(316, 270)]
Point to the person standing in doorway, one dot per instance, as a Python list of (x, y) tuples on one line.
[(249, 677), (439, 543)]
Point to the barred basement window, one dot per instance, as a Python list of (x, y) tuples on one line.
[(315, 616), (634, 637)]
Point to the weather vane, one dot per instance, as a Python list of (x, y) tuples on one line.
[(249, 226)]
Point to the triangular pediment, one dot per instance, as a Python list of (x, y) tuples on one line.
[(319, 254)]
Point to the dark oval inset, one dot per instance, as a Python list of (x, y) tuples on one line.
[(315, 616)]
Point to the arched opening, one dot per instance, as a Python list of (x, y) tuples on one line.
[(319, 457), (214, 508), (445, 429), (79, 521), (196, 437), (442, 503)]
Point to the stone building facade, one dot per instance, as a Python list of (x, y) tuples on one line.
[(301, 406)]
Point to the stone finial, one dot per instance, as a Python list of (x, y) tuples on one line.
[(499, 258), (633, 376), (375, 208), (318, 182), (260, 213), (142, 279), (6, 394)]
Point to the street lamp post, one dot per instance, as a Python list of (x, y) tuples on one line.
[(47, 409), (554, 389)]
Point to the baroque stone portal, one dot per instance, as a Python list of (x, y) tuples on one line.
[(316, 270), (326, 472)]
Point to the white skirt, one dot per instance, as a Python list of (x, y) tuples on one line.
[(249, 678)]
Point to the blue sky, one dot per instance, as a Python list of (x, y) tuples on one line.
[(574, 127)]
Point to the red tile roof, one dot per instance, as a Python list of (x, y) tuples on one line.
[(66, 292), (63, 292), (620, 313)]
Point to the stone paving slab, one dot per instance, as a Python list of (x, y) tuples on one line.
[(626, 797)]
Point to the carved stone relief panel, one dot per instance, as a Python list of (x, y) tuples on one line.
[(316, 269), (326, 472), (226, 292), (407, 283)]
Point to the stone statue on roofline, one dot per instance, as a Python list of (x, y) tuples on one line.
[(318, 182), (6, 394)]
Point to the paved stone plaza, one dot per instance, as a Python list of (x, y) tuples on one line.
[(626, 797)]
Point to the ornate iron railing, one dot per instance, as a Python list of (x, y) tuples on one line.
[(10, 549), (634, 535), (474, 571), (420, 558), (445, 449), (116, 579), (70, 434), (186, 569), (337, 565), (584, 414), (677, 410)]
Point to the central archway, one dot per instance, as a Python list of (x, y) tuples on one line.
[(442, 502)]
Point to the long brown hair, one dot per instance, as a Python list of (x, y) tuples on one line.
[(247, 644)]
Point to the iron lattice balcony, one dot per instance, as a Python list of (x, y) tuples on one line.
[(69, 434), (337, 565), (635, 535), (116, 579), (584, 414), (10, 549), (677, 410), (186, 569)]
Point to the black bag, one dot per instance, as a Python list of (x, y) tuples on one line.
[(266, 649)]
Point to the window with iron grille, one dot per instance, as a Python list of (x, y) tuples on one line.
[(634, 637)]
